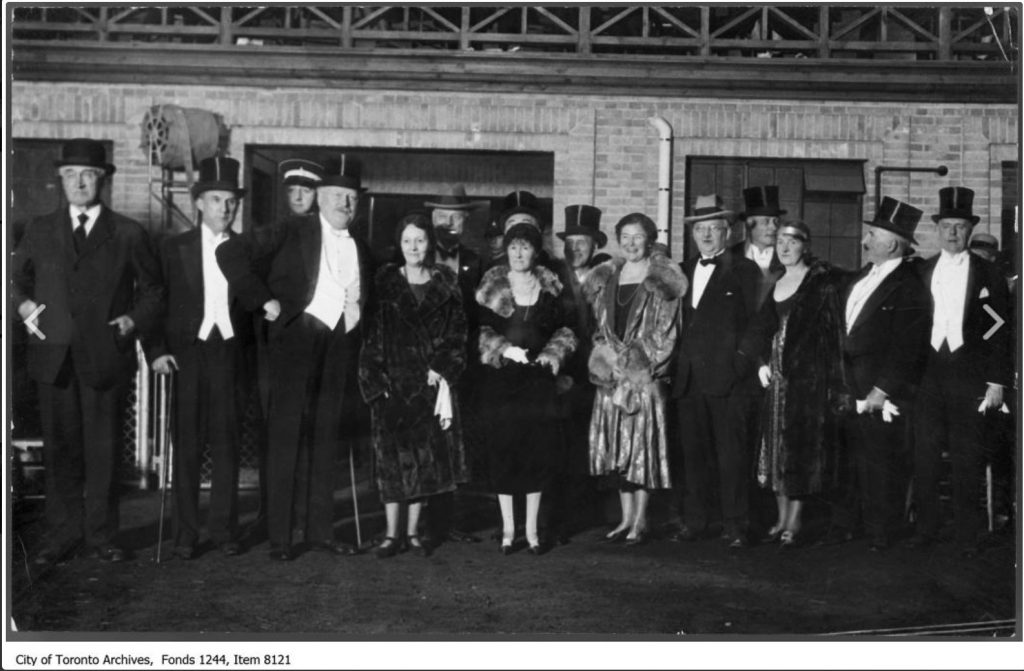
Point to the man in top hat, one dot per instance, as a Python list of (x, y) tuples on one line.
[(205, 339), (711, 379), (301, 177), (314, 295), (85, 281), (761, 222), (968, 368), (885, 316), (573, 501)]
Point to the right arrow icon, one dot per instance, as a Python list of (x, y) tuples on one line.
[(995, 327)]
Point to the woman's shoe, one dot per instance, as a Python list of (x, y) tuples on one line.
[(788, 540), (615, 536), (505, 544), (387, 548), (535, 548), (773, 534), (639, 539), (418, 545)]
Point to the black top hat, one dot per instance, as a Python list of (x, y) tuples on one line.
[(520, 202), (956, 202), (709, 207), (343, 170), (302, 172), (86, 152), (217, 173), (456, 200), (761, 201), (584, 220), (897, 217)]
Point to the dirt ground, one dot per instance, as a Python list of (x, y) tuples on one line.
[(584, 587)]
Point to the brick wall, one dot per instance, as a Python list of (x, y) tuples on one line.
[(605, 151)]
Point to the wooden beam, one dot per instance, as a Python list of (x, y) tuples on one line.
[(945, 34), (583, 38)]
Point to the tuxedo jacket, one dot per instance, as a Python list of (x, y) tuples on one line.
[(886, 345), (181, 261), (709, 361), (115, 274), (282, 262), (990, 360)]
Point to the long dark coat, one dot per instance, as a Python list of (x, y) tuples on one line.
[(816, 392), (404, 339)]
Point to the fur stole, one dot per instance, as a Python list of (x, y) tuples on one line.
[(495, 292), (664, 278), (392, 286)]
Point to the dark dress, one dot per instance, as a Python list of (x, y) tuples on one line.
[(522, 409), (413, 329), (800, 339)]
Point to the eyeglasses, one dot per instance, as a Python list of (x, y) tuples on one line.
[(708, 228)]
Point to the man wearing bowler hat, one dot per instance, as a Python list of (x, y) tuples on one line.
[(205, 339), (85, 281), (314, 296), (885, 310), (968, 367), (761, 223), (712, 380)]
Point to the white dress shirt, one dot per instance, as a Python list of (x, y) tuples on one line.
[(92, 212), (762, 257), (215, 288), (866, 286), (701, 276), (337, 286), (949, 291)]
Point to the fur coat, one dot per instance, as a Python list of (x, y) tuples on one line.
[(628, 425), (800, 437), (405, 339)]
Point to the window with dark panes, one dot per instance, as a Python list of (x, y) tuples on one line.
[(826, 195)]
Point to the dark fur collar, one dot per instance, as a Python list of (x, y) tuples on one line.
[(393, 287), (664, 278), (495, 292)]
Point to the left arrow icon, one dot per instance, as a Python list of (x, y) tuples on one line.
[(30, 322)]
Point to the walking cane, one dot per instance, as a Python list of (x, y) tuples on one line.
[(165, 455), (355, 497)]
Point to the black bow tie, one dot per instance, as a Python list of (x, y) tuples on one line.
[(713, 261)]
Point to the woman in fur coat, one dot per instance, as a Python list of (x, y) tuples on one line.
[(526, 335), (797, 336), (637, 307), (413, 351)]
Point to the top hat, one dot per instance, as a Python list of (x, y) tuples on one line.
[(584, 220), (217, 173), (301, 172), (761, 201), (456, 200), (984, 241), (956, 202), (709, 207), (897, 217), (520, 202), (343, 170), (85, 152)]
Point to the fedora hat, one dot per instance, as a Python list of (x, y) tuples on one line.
[(301, 171), (709, 207), (761, 201), (956, 202), (520, 202), (217, 173), (897, 217), (455, 200), (343, 170), (85, 152), (984, 241), (584, 220)]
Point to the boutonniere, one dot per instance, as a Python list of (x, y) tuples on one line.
[(984, 293)]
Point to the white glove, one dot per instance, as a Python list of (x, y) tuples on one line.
[(764, 373), (517, 354), (433, 378), (889, 410)]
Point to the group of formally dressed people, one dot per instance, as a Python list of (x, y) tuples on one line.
[(545, 381)]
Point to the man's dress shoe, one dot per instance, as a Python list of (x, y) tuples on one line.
[(335, 547)]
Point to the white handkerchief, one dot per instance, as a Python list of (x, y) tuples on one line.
[(984, 293), (443, 405)]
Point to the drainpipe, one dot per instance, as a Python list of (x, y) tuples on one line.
[(664, 177), (941, 171)]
